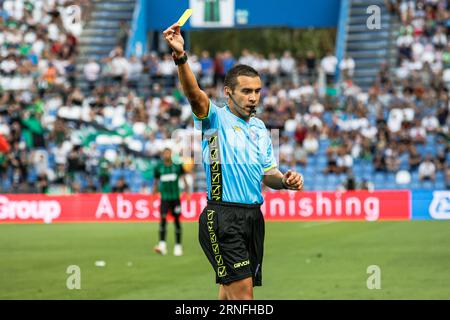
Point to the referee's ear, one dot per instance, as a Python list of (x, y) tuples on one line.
[(227, 91)]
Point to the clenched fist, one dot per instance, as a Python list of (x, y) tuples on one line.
[(293, 180)]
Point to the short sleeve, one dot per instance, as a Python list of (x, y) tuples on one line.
[(208, 122)]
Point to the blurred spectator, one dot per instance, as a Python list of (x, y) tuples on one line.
[(135, 69), (414, 158), (332, 164), (119, 66), (287, 66), (447, 178), (42, 183), (219, 69), (123, 33), (350, 182), (91, 72), (366, 185), (427, 169), (121, 186), (207, 69), (328, 65), (347, 67), (441, 160), (344, 161), (311, 144), (311, 64)]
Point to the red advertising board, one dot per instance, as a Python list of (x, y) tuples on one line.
[(306, 206)]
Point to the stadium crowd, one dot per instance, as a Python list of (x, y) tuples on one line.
[(59, 136)]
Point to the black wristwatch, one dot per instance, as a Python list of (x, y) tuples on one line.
[(181, 60)]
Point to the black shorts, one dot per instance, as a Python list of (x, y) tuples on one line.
[(232, 237), (174, 206)]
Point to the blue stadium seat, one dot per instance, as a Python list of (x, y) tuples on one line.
[(404, 164), (333, 179), (321, 162), (358, 170), (312, 160), (319, 186), (428, 185), (390, 177), (415, 184), (430, 139), (369, 169), (379, 177), (32, 176), (391, 185), (380, 185), (420, 149), (309, 170)]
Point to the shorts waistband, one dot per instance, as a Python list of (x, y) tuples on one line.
[(235, 204)]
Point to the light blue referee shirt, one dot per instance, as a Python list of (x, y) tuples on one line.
[(236, 154)]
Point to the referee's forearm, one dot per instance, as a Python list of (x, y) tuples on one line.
[(274, 182), (197, 98), (188, 81)]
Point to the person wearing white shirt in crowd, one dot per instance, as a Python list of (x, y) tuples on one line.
[(270, 99), (439, 39), (427, 169), (119, 66), (287, 65), (316, 107), (430, 123), (274, 65), (344, 161), (167, 70), (328, 65), (135, 68), (91, 72), (347, 67), (306, 89), (53, 32), (246, 57), (8, 66), (195, 65), (417, 132), (261, 64), (311, 144)]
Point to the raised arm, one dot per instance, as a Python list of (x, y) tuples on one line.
[(197, 98)]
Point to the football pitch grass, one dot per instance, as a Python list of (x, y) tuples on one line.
[(303, 260)]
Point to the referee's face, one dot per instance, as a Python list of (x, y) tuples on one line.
[(247, 94)]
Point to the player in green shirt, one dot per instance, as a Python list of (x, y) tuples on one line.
[(167, 175)]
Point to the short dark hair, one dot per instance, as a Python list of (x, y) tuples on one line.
[(236, 71)]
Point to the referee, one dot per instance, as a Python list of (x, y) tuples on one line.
[(167, 175), (238, 157)]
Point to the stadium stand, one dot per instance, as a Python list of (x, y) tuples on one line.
[(80, 116)]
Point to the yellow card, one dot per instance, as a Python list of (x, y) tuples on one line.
[(186, 15)]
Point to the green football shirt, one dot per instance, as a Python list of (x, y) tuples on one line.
[(169, 177)]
